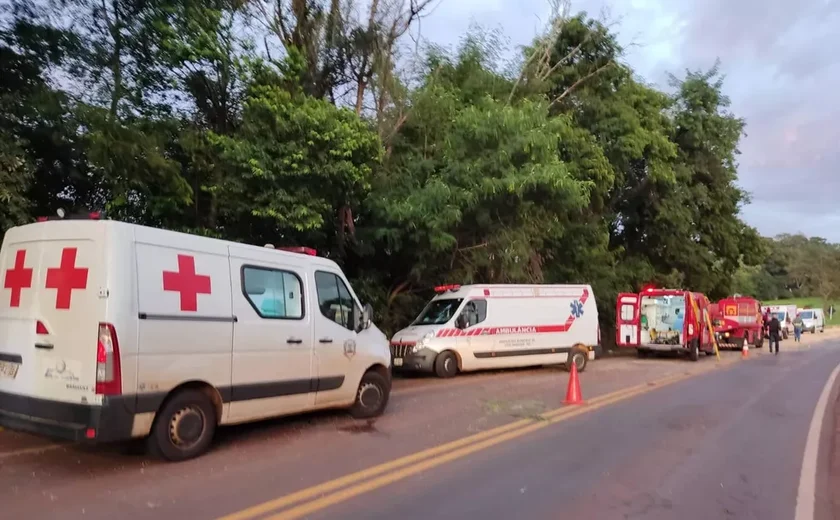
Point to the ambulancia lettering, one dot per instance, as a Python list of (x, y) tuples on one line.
[(516, 330)]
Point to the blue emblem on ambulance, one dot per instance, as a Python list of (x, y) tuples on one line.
[(577, 309)]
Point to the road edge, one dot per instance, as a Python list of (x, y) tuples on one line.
[(806, 494)]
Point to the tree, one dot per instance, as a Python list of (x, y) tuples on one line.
[(293, 167), (474, 189)]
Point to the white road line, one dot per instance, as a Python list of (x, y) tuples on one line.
[(806, 496)]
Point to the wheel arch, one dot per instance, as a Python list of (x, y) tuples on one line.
[(206, 388)]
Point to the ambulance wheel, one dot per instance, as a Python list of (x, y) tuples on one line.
[(641, 353), (694, 351), (446, 365), (371, 397), (184, 426), (579, 356)]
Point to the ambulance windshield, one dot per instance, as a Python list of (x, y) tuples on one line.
[(438, 312)]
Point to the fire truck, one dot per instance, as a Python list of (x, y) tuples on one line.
[(664, 320), (737, 321)]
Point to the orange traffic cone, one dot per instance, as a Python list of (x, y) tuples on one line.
[(745, 351), (573, 395)]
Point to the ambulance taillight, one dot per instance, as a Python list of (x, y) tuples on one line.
[(108, 374), (41, 329)]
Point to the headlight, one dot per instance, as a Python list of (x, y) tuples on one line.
[(420, 345)]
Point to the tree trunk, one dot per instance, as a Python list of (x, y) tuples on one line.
[(116, 63)]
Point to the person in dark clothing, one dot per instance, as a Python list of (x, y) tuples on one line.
[(775, 329)]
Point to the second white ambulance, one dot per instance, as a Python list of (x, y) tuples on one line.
[(110, 331), (478, 327)]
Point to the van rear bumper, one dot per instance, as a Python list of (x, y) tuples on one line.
[(112, 421)]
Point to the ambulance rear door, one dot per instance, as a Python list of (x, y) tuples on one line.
[(52, 274), (628, 320)]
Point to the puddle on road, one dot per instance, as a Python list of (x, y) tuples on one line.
[(520, 409), (368, 426)]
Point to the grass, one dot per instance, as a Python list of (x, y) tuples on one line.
[(813, 302)]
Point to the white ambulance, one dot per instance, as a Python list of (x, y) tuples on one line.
[(111, 331), (478, 327)]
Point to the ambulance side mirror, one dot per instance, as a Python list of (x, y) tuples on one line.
[(367, 316), (461, 321)]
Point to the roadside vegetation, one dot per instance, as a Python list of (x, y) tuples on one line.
[(326, 124), (796, 270)]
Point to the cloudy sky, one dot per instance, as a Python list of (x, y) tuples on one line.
[(782, 65)]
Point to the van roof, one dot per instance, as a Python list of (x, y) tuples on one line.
[(37, 230), (465, 291)]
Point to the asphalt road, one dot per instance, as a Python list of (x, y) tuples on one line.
[(661, 438)]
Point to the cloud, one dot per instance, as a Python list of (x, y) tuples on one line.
[(782, 70)]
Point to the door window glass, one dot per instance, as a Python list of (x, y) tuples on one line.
[(273, 293), (475, 311), (335, 301)]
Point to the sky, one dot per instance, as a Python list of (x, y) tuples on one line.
[(781, 62)]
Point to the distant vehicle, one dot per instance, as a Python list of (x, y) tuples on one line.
[(110, 331), (813, 320), (738, 320), (785, 314), (478, 327), (664, 320)]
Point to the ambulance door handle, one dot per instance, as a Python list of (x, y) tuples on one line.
[(295, 341), (325, 340), (45, 346)]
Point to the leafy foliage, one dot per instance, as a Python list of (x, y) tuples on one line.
[(287, 122)]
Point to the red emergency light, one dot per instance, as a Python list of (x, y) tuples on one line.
[(443, 288), (61, 215), (648, 287), (302, 250)]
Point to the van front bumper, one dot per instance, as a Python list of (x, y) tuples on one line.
[(111, 421), (423, 361)]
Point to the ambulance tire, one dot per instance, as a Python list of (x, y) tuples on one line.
[(371, 397), (694, 350), (580, 357), (446, 365), (193, 406)]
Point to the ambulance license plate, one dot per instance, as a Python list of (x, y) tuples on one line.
[(8, 369), (398, 361)]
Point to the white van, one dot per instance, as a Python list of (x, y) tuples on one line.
[(111, 331), (813, 320), (478, 327)]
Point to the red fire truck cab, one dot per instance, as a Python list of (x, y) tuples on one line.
[(738, 320), (664, 320)]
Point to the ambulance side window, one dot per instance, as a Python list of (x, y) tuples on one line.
[(334, 299), (475, 311), (627, 312), (273, 293)]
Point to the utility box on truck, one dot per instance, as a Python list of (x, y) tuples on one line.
[(738, 321), (664, 320)]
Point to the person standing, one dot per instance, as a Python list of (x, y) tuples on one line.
[(775, 329), (797, 328)]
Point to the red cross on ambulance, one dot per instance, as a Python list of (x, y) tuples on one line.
[(187, 283)]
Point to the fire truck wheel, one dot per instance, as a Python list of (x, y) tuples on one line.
[(446, 365), (579, 356), (694, 350)]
